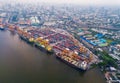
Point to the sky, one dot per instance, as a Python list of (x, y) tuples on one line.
[(83, 2)]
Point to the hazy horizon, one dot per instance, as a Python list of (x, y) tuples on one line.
[(80, 2)]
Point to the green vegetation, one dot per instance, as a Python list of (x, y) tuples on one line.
[(109, 41), (107, 60), (93, 66), (88, 35)]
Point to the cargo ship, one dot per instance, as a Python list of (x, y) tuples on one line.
[(43, 45), (28, 40), (25, 36), (43, 48), (39, 42), (11, 28), (80, 65)]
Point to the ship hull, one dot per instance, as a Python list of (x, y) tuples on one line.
[(43, 49), (69, 64), (26, 39)]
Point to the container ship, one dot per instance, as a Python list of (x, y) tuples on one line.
[(11, 27), (72, 60), (28, 40), (43, 45), (25, 36)]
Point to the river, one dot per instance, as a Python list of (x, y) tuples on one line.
[(23, 63)]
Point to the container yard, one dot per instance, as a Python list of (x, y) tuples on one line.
[(58, 42), (64, 46)]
